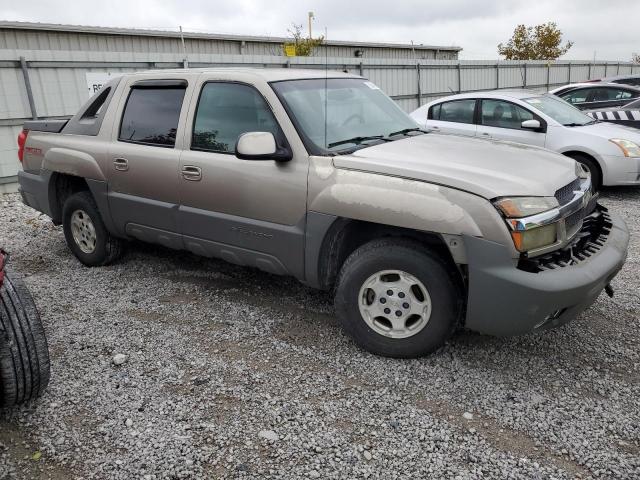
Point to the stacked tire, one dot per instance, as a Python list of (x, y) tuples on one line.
[(24, 354)]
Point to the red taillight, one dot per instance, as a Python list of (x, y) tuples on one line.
[(22, 139)]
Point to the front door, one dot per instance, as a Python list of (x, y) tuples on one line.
[(250, 212), (502, 120), (143, 161)]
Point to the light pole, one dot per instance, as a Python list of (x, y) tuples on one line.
[(311, 17)]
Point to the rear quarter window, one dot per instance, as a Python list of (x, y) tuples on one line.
[(434, 112)]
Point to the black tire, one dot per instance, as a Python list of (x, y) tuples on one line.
[(107, 247), (24, 354), (591, 165), (410, 257)]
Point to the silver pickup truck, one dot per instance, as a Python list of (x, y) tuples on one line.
[(322, 177)]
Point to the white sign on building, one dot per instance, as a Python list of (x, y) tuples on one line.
[(95, 80)]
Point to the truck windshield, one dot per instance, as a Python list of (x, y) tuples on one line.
[(559, 110), (337, 115)]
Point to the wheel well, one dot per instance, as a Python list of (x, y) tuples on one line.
[(576, 155), (346, 235), (61, 187)]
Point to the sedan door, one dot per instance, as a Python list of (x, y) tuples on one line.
[(502, 120), (455, 117)]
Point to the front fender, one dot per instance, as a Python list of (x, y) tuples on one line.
[(396, 202), (402, 202)]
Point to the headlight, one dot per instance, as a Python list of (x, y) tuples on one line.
[(517, 207), (535, 238), (629, 148)]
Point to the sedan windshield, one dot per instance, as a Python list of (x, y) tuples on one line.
[(337, 115), (559, 110)]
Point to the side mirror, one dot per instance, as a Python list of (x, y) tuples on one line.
[(531, 124), (260, 146)]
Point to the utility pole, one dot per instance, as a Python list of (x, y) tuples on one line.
[(311, 17), (185, 62)]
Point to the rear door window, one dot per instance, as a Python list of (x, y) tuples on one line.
[(151, 116), (459, 111)]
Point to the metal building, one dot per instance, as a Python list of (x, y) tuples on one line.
[(44, 36)]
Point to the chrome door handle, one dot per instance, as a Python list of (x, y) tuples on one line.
[(191, 173), (121, 164)]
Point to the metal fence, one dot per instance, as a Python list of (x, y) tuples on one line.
[(44, 84)]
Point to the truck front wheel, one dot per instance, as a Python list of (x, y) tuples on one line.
[(396, 298), (85, 233)]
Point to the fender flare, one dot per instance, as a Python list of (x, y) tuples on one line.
[(72, 162)]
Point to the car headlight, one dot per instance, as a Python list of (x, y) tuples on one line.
[(533, 237), (518, 207), (629, 148)]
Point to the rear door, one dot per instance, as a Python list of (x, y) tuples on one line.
[(502, 120), (455, 117), (144, 157)]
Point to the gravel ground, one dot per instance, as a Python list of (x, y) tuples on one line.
[(234, 373)]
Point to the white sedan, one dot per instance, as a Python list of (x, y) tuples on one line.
[(610, 152)]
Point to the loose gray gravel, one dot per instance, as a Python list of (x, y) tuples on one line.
[(166, 365)]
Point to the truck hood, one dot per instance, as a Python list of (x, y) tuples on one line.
[(484, 167)]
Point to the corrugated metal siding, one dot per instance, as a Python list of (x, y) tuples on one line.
[(77, 41), (13, 95), (9, 164)]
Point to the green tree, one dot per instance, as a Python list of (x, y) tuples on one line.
[(304, 46), (541, 42)]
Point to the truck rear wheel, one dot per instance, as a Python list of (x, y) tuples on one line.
[(85, 233), (24, 355), (396, 298)]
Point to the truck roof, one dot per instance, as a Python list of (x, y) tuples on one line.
[(266, 74)]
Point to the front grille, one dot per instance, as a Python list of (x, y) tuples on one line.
[(565, 194), (588, 241)]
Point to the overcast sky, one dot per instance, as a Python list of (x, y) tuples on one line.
[(475, 25)]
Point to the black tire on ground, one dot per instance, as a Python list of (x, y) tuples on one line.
[(107, 247), (591, 165), (407, 256), (24, 354)]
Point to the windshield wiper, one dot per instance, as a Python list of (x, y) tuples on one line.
[(574, 124), (404, 131), (357, 140)]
